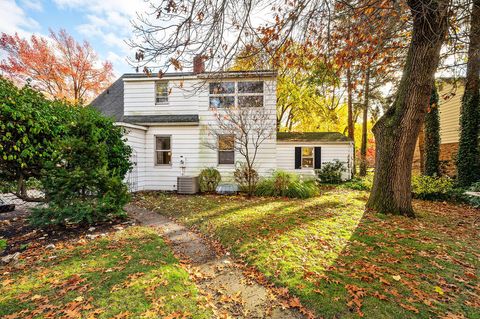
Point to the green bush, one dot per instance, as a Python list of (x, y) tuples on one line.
[(3, 245), (360, 183), (209, 179), (286, 185), (29, 125), (475, 187), (246, 178), (83, 178), (432, 187), (331, 172)]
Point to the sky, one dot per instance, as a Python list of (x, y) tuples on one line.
[(103, 23)]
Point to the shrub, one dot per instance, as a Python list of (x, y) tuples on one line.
[(3, 245), (286, 184), (209, 179), (432, 187), (360, 183), (331, 172), (246, 178), (83, 179), (475, 187)]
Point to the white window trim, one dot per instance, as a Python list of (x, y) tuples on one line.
[(312, 157), (218, 151), (155, 151), (236, 94), (155, 93)]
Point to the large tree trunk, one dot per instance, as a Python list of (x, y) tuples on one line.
[(468, 159), (397, 130), (351, 123), (363, 147)]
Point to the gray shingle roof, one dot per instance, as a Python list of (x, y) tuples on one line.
[(142, 119), (110, 101), (312, 136)]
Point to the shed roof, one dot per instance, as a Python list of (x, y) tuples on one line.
[(312, 137)]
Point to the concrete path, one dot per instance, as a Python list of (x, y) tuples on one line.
[(231, 292)]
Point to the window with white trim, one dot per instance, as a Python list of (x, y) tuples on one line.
[(307, 157), (161, 92), (163, 150), (241, 94), (226, 150)]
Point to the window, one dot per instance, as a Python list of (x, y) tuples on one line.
[(231, 94), (307, 157), (222, 94), (163, 150), (226, 151), (250, 94), (161, 92)]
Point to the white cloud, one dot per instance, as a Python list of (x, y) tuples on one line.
[(109, 21), (32, 4), (14, 19)]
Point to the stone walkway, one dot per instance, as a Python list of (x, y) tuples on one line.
[(231, 292)]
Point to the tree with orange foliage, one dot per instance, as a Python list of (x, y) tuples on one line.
[(58, 66)]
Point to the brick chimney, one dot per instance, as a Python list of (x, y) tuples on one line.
[(199, 64)]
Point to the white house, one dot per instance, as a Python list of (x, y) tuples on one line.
[(167, 120)]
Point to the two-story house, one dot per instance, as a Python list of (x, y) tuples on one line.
[(167, 122)]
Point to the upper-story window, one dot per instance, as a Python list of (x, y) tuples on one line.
[(241, 94), (161, 92)]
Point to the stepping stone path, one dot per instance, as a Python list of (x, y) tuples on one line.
[(232, 293)]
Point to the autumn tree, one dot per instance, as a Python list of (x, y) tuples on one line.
[(179, 29), (468, 160), (58, 66)]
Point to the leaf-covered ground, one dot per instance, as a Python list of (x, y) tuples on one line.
[(130, 273), (342, 262)]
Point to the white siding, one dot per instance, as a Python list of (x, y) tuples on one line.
[(136, 140), (449, 109), (330, 152), (190, 97)]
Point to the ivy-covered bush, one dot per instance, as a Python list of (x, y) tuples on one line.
[(246, 178), (286, 184), (83, 180), (432, 187), (432, 136), (209, 179), (331, 172)]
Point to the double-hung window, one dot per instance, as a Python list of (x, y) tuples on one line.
[(250, 94), (226, 150), (307, 157), (161, 92), (236, 94), (163, 150), (222, 94)]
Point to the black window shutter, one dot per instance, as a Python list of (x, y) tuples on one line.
[(298, 157), (318, 158)]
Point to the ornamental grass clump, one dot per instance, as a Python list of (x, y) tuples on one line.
[(284, 184)]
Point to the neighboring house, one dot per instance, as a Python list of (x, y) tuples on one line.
[(450, 102), (167, 122)]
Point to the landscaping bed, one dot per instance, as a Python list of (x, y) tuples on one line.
[(340, 261)]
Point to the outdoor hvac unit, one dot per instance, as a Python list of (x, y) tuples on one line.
[(187, 184)]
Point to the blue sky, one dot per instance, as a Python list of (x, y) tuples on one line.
[(104, 23)]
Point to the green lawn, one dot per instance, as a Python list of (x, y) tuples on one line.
[(342, 262), (128, 274)]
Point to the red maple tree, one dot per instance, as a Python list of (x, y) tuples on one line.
[(59, 66)]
